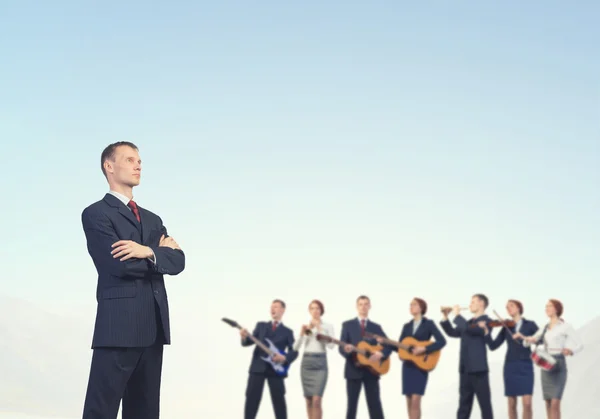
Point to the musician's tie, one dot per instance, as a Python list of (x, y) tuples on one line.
[(362, 327), (274, 326), (135, 210)]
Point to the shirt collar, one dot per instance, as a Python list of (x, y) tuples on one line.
[(120, 197)]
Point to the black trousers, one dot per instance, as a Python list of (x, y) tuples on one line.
[(254, 391), (471, 386), (353, 388), (129, 374)]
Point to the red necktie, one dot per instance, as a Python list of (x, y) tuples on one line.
[(274, 326), (362, 327), (135, 210)]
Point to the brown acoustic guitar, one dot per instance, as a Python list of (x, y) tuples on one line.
[(362, 351), (425, 362)]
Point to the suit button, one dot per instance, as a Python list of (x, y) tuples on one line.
[(156, 292)]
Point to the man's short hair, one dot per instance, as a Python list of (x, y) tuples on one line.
[(483, 298), (363, 297), (280, 302)]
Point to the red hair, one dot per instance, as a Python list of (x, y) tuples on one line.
[(320, 304), (558, 306), (422, 304), (518, 304)]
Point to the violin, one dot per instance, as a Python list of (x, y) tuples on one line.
[(502, 323), (498, 323)]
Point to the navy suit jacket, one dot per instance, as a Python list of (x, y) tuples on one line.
[(515, 350), (473, 352), (128, 292), (282, 338), (351, 334), (424, 332)]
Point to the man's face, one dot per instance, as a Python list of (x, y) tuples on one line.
[(126, 169), (363, 306), (475, 305), (277, 311)]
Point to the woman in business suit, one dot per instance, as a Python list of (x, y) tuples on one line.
[(518, 367), (313, 369), (414, 380), (560, 340)]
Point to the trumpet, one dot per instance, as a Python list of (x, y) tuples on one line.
[(448, 308)]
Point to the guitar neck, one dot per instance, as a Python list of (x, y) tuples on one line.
[(339, 343), (392, 342), (261, 345)]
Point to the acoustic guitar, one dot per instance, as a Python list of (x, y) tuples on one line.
[(271, 350), (361, 353), (424, 361)]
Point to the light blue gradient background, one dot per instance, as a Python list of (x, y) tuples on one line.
[(308, 150)]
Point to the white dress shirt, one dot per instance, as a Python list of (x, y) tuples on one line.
[(560, 336), (311, 344), (125, 201)]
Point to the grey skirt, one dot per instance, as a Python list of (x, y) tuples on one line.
[(314, 372), (554, 381)]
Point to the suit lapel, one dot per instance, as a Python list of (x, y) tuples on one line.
[(114, 202)]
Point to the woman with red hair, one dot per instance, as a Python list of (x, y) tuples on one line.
[(518, 367), (559, 340), (414, 380), (313, 368)]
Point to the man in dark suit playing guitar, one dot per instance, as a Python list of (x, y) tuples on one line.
[(260, 370), (132, 251), (353, 331), (473, 367)]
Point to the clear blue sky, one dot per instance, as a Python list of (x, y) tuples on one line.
[(337, 142)]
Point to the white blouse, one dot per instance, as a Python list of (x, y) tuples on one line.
[(560, 336), (311, 344)]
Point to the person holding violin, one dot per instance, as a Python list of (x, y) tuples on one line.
[(559, 340), (518, 366), (414, 380), (473, 366), (313, 368)]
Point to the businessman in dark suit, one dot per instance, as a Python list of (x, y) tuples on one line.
[(353, 332), (131, 250), (259, 371), (473, 366)]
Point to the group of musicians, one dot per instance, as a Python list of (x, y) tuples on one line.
[(363, 367)]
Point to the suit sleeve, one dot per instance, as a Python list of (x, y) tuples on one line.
[(100, 236), (450, 331), (461, 324), (344, 337), (292, 354), (440, 340), (248, 341), (168, 261), (387, 349), (495, 343)]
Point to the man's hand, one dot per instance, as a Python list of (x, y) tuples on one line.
[(348, 348), (280, 359), (168, 242), (127, 249), (418, 350), (376, 357), (518, 335), (456, 310), (567, 352), (244, 333)]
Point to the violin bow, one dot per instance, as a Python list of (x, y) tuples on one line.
[(503, 322)]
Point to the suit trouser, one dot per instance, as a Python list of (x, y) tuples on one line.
[(475, 385), (254, 391), (130, 374), (353, 388)]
